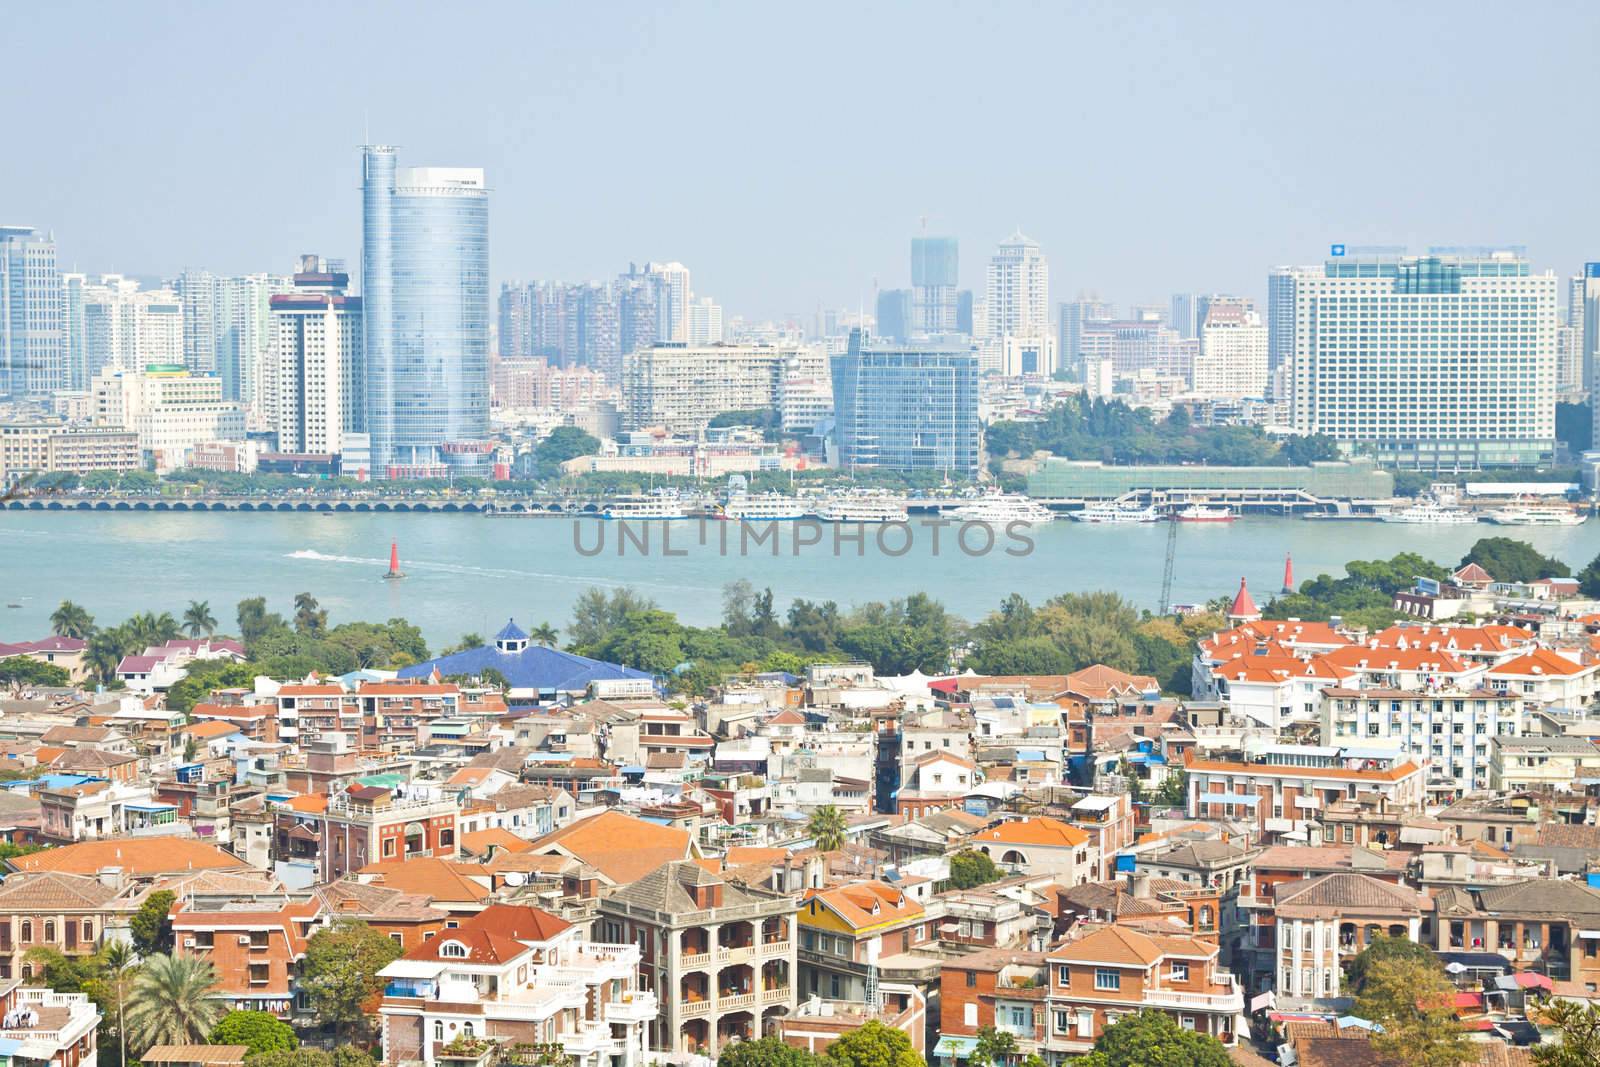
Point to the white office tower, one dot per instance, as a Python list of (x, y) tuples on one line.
[(169, 408), (1232, 363), (1437, 362), (1018, 290), (128, 328), (671, 282), (30, 315), (1280, 315), (1033, 355), (315, 393), (244, 333), (705, 322), (681, 387)]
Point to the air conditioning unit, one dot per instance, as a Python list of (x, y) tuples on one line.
[(188, 942), (244, 940)]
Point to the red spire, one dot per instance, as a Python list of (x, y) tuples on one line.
[(1288, 573), (1244, 608), (394, 557)]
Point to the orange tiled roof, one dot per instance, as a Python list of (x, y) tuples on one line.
[(205, 731), (518, 922), (482, 947), (855, 903), (137, 856), (622, 848), (310, 803), (446, 881), (1540, 661), (479, 841), (1035, 830), (1117, 944)]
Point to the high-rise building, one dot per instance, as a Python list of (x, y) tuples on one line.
[(1186, 315), (638, 314), (1281, 283), (169, 408), (966, 321), (74, 359), (1135, 346), (30, 314), (935, 274), (425, 306), (682, 387), (1069, 338), (1018, 289), (198, 291), (244, 332), (672, 288), (1437, 362), (1587, 297), (705, 322), (315, 393), (1232, 363), (128, 328), (515, 331), (896, 315), (906, 406)]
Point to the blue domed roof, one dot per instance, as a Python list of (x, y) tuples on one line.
[(511, 632)]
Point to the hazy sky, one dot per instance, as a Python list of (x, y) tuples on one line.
[(786, 152)]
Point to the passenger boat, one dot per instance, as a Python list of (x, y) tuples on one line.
[(768, 507), (640, 508), (1536, 516), (998, 509), (1115, 513), (1202, 513), (862, 507), (1430, 513)]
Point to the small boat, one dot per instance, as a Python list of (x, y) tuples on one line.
[(1113, 513), (1201, 513), (394, 572), (13, 605), (1536, 516), (999, 509), (1429, 513)]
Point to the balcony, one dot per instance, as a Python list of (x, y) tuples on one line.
[(776, 996), (699, 959), (1229, 998), (693, 1009), (738, 1000)]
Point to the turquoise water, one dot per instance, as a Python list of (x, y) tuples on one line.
[(468, 573)]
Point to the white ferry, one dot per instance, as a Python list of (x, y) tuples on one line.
[(1430, 513), (768, 507), (862, 507), (1115, 513), (1202, 513), (640, 508), (998, 509), (1537, 516)]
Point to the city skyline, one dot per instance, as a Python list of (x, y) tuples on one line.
[(819, 232)]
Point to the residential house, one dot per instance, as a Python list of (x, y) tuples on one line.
[(1038, 844)]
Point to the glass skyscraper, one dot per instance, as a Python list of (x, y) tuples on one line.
[(935, 273), (30, 314), (425, 300), (906, 407)]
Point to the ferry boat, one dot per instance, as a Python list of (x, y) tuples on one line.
[(1202, 513), (862, 507), (1536, 516), (768, 507), (640, 508), (998, 509), (1115, 513), (1431, 513)]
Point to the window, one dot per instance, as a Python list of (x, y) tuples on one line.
[(454, 949), (972, 979), (1063, 976), (88, 930), (27, 931), (49, 930), (969, 1014), (438, 1030), (1179, 972), (1019, 1018), (1108, 979), (388, 846), (397, 939), (1062, 1022)]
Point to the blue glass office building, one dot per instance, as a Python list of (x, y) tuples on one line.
[(906, 407), (425, 290)]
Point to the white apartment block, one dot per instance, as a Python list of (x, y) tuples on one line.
[(1018, 290), (1232, 363), (129, 328), (681, 386), (1433, 362), (1451, 731), (315, 394), (170, 410), (705, 322)]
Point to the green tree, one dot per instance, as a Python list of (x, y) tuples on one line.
[(544, 634), (260, 1030), (341, 970), (1382, 949), (298, 1057), (308, 617), (827, 828), (173, 1002), (971, 868), (120, 967), (874, 1045), (71, 620), (1510, 560), (351, 1056), (18, 673), (197, 618), (467, 643), (562, 444), (1579, 1027), (992, 1047), (765, 1052), (151, 925), (1173, 792), (1154, 1039), (1412, 1001)]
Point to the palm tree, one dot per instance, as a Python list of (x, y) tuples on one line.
[(197, 619), (119, 962), (544, 634), (71, 620), (307, 619), (105, 650), (174, 1002), (827, 828)]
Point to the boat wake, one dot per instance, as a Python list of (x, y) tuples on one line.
[(413, 565)]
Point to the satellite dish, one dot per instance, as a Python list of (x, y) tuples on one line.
[(515, 879)]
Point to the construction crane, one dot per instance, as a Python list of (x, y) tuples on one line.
[(1166, 572)]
